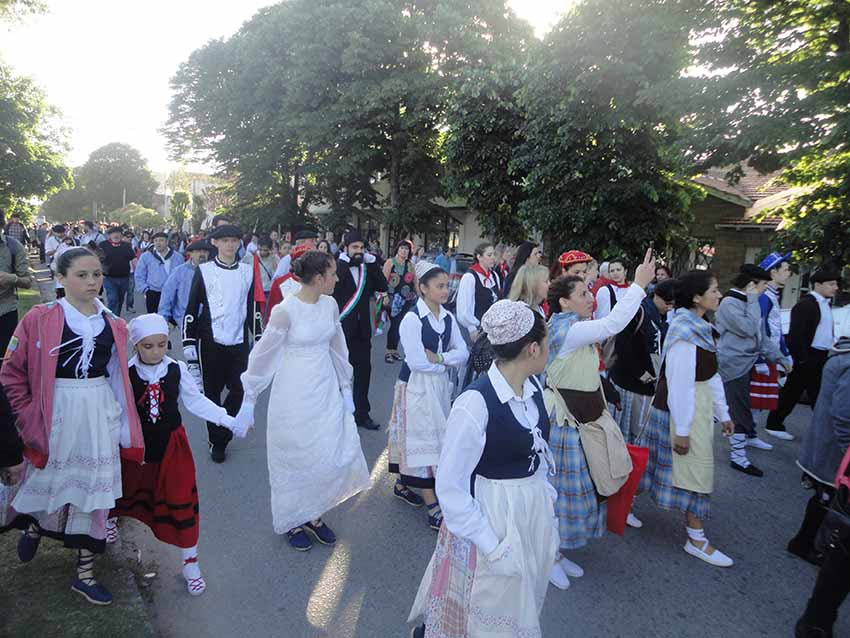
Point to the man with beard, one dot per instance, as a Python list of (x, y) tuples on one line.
[(359, 278)]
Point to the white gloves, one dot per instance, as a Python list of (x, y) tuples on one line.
[(190, 353), (347, 400), (503, 560), (195, 371), (243, 420)]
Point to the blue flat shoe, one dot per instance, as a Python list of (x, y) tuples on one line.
[(435, 516), (27, 547), (93, 592), (299, 540), (322, 533), (407, 495)]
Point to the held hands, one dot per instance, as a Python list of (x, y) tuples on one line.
[(681, 444), (243, 420), (645, 273)]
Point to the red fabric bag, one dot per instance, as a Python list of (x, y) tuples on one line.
[(764, 389), (620, 504)]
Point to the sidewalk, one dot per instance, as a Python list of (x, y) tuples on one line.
[(36, 598)]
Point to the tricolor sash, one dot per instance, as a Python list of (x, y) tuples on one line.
[(355, 298)]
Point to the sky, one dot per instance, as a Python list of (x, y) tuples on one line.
[(106, 64)]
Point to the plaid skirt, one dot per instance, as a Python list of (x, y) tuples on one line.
[(634, 411), (580, 515), (658, 477)]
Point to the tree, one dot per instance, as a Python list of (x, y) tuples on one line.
[(67, 205), (597, 146), (773, 94), (17, 9), (137, 216), (199, 212), (116, 173), (179, 208), (32, 147)]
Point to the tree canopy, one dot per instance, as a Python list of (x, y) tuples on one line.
[(116, 173)]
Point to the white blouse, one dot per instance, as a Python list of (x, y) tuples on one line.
[(584, 333), (410, 333), (680, 371), (190, 395), (466, 435), (265, 358), (603, 299), (466, 298)]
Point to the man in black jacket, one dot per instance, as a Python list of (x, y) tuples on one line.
[(359, 280), (117, 257), (809, 339)]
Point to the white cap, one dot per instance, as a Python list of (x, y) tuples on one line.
[(423, 267), (147, 325), (507, 321)]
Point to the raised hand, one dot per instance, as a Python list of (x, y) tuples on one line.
[(645, 273)]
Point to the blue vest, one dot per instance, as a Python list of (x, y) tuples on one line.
[(430, 339), (508, 451)]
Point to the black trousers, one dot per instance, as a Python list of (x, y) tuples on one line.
[(220, 369), (8, 323), (360, 358), (805, 376), (395, 324), (831, 589), (152, 300)]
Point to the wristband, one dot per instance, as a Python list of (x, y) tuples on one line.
[(440, 358)]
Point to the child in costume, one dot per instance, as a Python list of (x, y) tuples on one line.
[(161, 492)]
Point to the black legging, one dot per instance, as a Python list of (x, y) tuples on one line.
[(395, 324)]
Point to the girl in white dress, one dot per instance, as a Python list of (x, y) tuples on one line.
[(315, 458)]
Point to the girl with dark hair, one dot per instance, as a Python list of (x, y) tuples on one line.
[(67, 365), (689, 396), (528, 253), (401, 279), (499, 529), (613, 290), (574, 397), (422, 400), (314, 456), (324, 246)]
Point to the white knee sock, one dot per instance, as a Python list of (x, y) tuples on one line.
[(696, 536), (738, 449), (191, 569)]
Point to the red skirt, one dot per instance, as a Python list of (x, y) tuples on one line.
[(764, 389), (163, 495)]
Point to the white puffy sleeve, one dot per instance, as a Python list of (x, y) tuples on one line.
[(339, 351), (718, 394), (265, 357), (466, 302), (585, 333), (457, 353), (197, 403), (462, 448), (680, 370)]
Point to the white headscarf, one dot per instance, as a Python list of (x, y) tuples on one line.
[(147, 325)]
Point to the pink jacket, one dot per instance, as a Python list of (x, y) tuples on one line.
[(29, 374)]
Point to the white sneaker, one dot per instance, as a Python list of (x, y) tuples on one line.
[(716, 558), (634, 521), (570, 568), (780, 434), (558, 577), (759, 444)]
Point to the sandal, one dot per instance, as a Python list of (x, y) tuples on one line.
[(195, 583), (111, 530), (435, 516), (407, 495), (86, 585)]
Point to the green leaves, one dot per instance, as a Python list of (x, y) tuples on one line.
[(116, 173)]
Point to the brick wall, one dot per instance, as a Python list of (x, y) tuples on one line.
[(709, 212), (730, 250)]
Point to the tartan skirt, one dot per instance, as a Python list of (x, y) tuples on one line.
[(658, 477), (634, 410), (580, 515)]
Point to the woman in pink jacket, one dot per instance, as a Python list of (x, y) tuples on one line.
[(65, 373)]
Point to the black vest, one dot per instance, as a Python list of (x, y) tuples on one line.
[(431, 339), (508, 452), (69, 355), (484, 296), (158, 434)]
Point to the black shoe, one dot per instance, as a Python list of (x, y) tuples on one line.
[(418, 632), (405, 494), (803, 630), (804, 550), (369, 424), (751, 469), (218, 453)]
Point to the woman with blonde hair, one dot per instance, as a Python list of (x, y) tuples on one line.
[(531, 285)]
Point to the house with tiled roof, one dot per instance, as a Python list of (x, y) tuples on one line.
[(729, 225)]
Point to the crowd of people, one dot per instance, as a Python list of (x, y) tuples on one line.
[(526, 419)]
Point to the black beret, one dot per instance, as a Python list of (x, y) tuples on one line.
[(58, 228), (228, 230), (114, 229), (306, 234), (824, 275), (159, 234), (755, 273), (199, 245), (352, 236)]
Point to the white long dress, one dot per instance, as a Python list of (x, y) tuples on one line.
[(314, 453)]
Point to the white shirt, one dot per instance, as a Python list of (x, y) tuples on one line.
[(466, 298), (603, 299), (824, 337), (466, 435), (584, 333), (190, 395), (410, 334), (680, 371), (227, 299), (283, 267), (51, 243)]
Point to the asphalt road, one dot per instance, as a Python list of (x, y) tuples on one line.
[(642, 585)]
